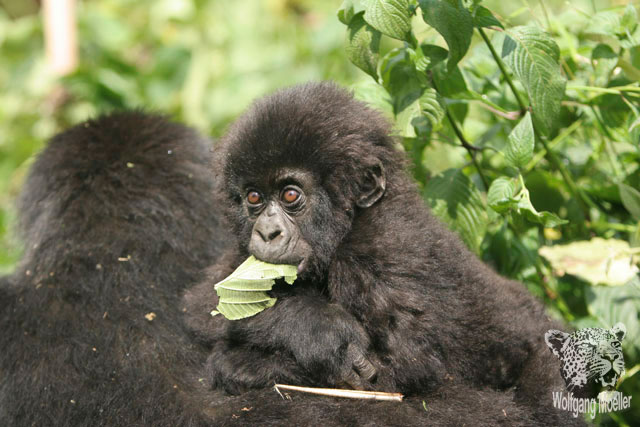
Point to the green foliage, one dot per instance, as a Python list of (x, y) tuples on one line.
[(535, 129), (522, 120)]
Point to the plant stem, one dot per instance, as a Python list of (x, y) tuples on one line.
[(615, 90), (470, 148), (503, 70), (599, 226)]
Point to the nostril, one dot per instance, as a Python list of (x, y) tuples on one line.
[(273, 235)]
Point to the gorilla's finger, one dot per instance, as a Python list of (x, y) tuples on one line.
[(361, 364)]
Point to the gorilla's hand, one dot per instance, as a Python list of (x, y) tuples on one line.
[(326, 341)]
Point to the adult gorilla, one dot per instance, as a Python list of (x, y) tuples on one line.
[(116, 220)]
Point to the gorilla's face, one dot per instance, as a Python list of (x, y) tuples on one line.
[(287, 217), (297, 173)]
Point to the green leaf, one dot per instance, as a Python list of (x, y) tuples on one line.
[(374, 95), (390, 17), (454, 198), (428, 56), (244, 292), (625, 28), (348, 9), (598, 261), (407, 119), (630, 199), (363, 45), (618, 304), (525, 208), (453, 22), (422, 116), (450, 84), (483, 17), (533, 56), (521, 142), (401, 79), (500, 194)]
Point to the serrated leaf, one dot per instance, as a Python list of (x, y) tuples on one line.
[(453, 22), (454, 198), (390, 17), (500, 194), (533, 56), (618, 304), (521, 143), (363, 45), (348, 9), (598, 261), (244, 292), (630, 199), (483, 17)]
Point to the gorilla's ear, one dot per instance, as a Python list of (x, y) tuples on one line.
[(372, 187), (555, 340), (619, 330)]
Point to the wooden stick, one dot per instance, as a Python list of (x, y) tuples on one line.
[(336, 392)]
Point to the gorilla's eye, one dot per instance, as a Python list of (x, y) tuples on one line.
[(290, 195), (254, 198)]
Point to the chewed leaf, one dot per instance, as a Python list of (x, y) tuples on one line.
[(244, 292)]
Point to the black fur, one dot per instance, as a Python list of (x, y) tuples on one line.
[(116, 224), (389, 282)]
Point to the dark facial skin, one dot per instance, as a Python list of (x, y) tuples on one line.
[(277, 213)]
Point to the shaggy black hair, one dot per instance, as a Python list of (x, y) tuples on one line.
[(116, 223), (390, 280)]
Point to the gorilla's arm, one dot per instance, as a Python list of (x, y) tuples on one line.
[(302, 339)]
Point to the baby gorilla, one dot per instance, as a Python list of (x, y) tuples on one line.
[(386, 297)]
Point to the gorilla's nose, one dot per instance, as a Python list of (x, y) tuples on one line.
[(268, 231)]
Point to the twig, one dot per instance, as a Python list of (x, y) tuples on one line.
[(471, 149), (336, 392)]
